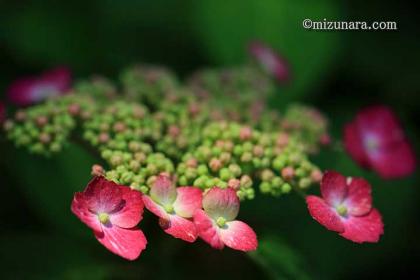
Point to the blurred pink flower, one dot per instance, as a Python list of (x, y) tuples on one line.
[(112, 212), (216, 224), (270, 60), (33, 89), (175, 207), (346, 208), (376, 141)]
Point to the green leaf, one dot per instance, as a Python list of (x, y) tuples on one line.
[(50, 183), (226, 27), (279, 259)]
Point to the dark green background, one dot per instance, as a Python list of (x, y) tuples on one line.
[(339, 72)]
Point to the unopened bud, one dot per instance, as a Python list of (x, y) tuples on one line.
[(97, 170), (288, 173)]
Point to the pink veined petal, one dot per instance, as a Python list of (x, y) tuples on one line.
[(179, 227), (366, 228), (163, 190), (324, 214), (188, 200), (394, 161), (127, 243), (131, 212), (359, 199), (154, 207), (103, 195), (207, 229), (333, 187), (354, 144), (219, 202), (239, 236), (80, 208)]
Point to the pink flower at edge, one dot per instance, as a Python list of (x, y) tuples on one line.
[(33, 89), (375, 140), (112, 212), (217, 226), (270, 60), (346, 207), (175, 207)]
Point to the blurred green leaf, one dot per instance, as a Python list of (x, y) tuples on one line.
[(50, 183), (42, 256), (279, 259), (226, 27)]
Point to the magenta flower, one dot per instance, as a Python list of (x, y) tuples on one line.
[(376, 141), (216, 224), (175, 207), (346, 208), (112, 211), (28, 90), (270, 60)]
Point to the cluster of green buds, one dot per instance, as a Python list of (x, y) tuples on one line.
[(45, 129), (213, 131)]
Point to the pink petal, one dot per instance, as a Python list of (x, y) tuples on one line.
[(80, 208), (359, 199), (207, 229), (29, 90), (60, 77), (395, 161), (163, 190), (131, 212), (103, 195), (324, 214), (239, 236), (380, 122), (333, 187), (219, 202), (188, 200), (270, 61), (154, 207), (354, 145), (127, 243), (364, 229), (179, 227)]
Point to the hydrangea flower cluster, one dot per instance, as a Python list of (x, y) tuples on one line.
[(192, 152)]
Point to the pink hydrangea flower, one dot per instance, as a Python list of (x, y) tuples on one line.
[(376, 141), (216, 224), (346, 208), (112, 212), (270, 60), (29, 90), (175, 207)]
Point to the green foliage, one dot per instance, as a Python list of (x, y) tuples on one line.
[(279, 260), (226, 27)]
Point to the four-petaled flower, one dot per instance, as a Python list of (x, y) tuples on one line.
[(270, 60), (175, 207), (346, 208), (216, 224), (376, 141), (28, 90), (112, 211)]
